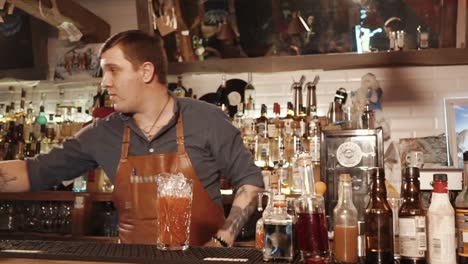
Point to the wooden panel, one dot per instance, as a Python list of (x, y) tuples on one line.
[(430, 57), (94, 28), (39, 34), (143, 18), (38, 196)]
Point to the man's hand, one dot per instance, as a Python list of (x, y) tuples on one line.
[(243, 205), (212, 243)]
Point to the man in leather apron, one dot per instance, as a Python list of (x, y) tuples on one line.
[(152, 132)]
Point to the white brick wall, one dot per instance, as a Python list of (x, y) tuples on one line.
[(413, 100)]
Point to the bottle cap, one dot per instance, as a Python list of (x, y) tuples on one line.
[(440, 177), (276, 108), (411, 172), (345, 177), (465, 156)]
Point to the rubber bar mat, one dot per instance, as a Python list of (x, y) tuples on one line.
[(125, 253)]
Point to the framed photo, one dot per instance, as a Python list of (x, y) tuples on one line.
[(456, 125), (350, 152)]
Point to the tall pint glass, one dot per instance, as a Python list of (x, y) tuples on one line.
[(174, 201)]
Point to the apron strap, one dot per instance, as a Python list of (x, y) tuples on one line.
[(180, 135), (125, 144)]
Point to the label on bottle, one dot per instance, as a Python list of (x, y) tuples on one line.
[(263, 150), (249, 127), (441, 242), (287, 126), (272, 131), (283, 178), (461, 219), (412, 236), (297, 174), (315, 148), (260, 126)]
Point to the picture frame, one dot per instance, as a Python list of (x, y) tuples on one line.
[(350, 152), (456, 128)]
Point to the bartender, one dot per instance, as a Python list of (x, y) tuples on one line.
[(151, 132)]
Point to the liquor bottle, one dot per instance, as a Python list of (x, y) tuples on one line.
[(314, 143), (259, 228), (80, 117), (422, 38), (261, 123), (179, 91), (267, 172), (289, 118), (293, 150), (249, 96), (41, 118), (412, 221), (238, 119), (277, 142), (345, 224), (19, 150), (461, 210), (311, 224), (10, 142), (282, 171), (262, 141), (379, 221), (8, 116), (279, 235), (293, 141), (367, 117), (441, 224), (2, 111), (28, 152), (272, 131), (22, 110)]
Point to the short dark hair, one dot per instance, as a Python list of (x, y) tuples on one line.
[(139, 47)]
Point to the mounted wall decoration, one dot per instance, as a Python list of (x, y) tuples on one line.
[(16, 47), (456, 110), (77, 63)]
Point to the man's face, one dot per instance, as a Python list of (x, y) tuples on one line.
[(121, 80)]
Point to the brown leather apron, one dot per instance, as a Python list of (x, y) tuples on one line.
[(136, 200)]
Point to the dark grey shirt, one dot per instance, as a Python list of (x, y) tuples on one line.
[(213, 144)]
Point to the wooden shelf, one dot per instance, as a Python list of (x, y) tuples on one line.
[(55, 236), (41, 196), (101, 197), (70, 196), (336, 61)]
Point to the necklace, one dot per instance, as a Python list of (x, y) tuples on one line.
[(147, 131)]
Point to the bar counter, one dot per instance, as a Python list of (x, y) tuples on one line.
[(51, 251)]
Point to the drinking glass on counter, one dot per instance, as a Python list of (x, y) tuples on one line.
[(174, 199)]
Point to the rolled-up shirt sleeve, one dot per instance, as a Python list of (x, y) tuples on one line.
[(67, 162), (232, 157)]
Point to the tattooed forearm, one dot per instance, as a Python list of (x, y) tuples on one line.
[(244, 204), (5, 179)]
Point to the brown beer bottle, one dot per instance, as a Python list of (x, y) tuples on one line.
[(379, 221), (412, 220)]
